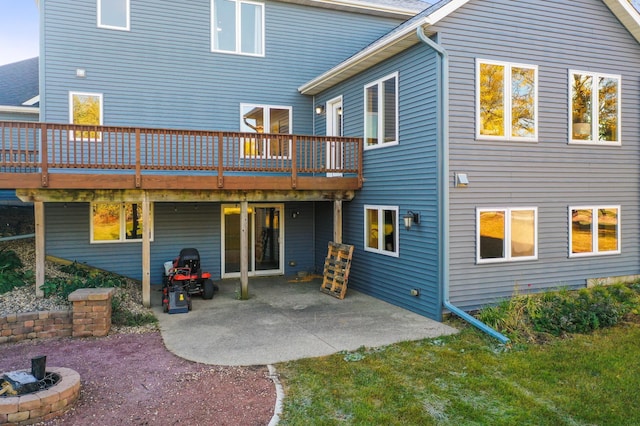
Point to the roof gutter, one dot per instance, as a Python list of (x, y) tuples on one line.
[(19, 109), (359, 6), (443, 189)]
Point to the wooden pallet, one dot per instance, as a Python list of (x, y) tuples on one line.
[(336, 270)]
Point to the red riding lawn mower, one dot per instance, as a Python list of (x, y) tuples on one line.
[(182, 278)]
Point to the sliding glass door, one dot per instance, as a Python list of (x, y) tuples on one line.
[(266, 234)]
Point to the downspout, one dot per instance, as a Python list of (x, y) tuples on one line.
[(443, 189)]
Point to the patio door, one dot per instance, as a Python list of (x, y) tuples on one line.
[(334, 128), (266, 234)]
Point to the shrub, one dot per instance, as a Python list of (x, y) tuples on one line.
[(83, 278), (563, 311), (11, 274), (123, 317)]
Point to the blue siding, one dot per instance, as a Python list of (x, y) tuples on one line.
[(162, 73), (176, 226), (403, 176), (299, 238), (323, 233)]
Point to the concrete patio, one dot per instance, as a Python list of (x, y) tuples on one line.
[(285, 320)]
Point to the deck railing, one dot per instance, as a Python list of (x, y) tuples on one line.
[(47, 149)]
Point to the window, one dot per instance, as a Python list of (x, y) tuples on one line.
[(507, 234), (506, 101), (113, 14), (584, 240), (381, 229), (266, 119), (85, 109), (595, 108), (381, 112), (237, 26), (116, 222)]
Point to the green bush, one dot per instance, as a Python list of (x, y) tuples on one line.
[(11, 274), (563, 311), (83, 278), (580, 312), (123, 317)]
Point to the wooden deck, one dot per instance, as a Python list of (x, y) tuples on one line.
[(64, 156)]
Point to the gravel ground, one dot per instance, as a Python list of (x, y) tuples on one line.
[(129, 377)]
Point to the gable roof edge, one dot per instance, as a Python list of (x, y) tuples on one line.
[(363, 7), (373, 54), (627, 14), (394, 42), (405, 36)]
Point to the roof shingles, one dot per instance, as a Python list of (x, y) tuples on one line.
[(19, 82)]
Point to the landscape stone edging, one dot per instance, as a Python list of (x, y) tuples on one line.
[(36, 325), (90, 317), (42, 405)]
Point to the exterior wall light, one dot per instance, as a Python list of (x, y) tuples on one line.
[(319, 109), (411, 218)]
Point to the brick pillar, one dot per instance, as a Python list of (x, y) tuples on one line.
[(91, 311)]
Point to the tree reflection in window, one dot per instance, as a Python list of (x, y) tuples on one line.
[(507, 100), (507, 234), (595, 230), (113, 222), (595, 110)]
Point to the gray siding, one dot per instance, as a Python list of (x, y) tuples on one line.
[(163, 74), (403, 176), (550, 174)]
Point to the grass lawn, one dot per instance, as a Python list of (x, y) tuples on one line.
[(470, 379)]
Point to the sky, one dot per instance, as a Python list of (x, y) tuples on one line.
[(18, 30)]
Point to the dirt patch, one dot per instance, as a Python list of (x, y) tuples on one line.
[(132, 379)]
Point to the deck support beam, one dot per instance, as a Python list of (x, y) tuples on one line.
[(337, 221), (38, 210), (244, 250), (146, 250)]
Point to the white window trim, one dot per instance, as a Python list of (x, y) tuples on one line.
[(71, 133), (71, 95), (507, 237), (380, 209), (381, 111), (123, 223), (506, 102), (266, 146), (238, 17), (112, 27), (594, 232), (595, 119)]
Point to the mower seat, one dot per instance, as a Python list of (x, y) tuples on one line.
[(189, 258)]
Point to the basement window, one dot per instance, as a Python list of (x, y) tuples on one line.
[(117, 222)]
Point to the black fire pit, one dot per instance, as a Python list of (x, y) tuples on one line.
[(22, 382)]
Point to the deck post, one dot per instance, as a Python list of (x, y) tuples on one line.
[(146, 250), (244, 250), (337, 221), (38, 212)]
